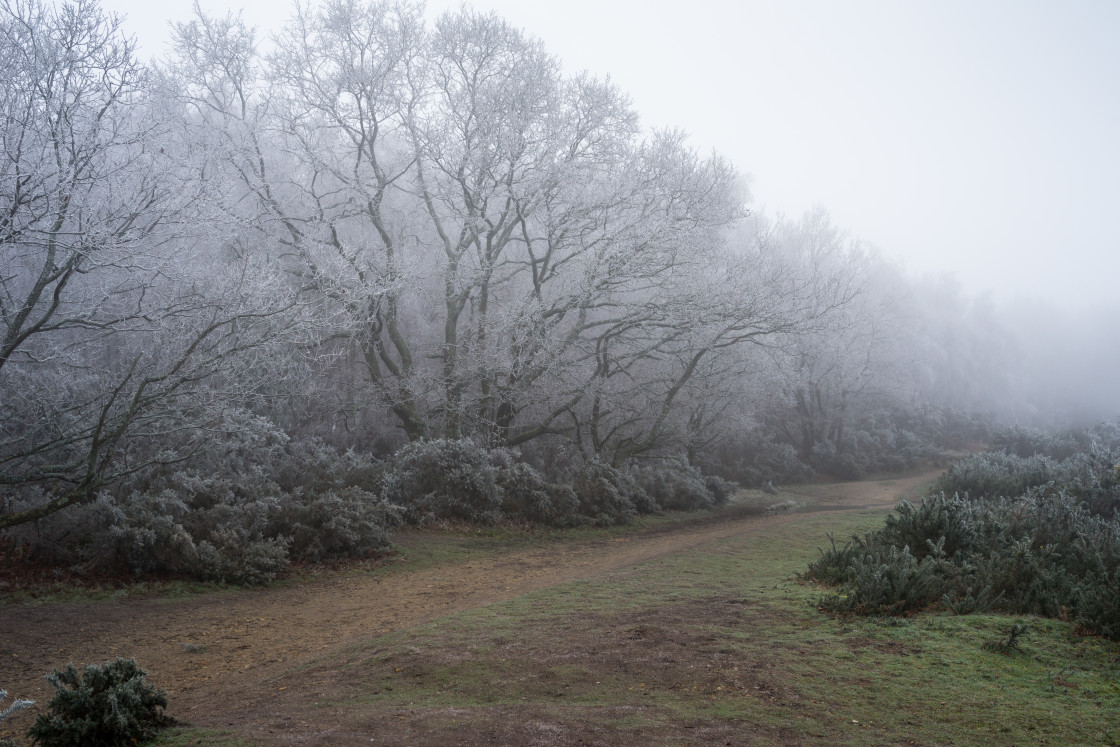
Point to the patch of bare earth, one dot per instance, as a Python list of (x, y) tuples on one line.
[(230, 661)]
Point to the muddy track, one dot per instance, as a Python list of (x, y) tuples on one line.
[(211, 652)]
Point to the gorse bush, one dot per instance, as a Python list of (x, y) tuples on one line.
[(886, 580), (1026, 442), (528, 497), (1092, 476), (444, 479), (338, 523), (608, 495), (675, 485), (1049, 550), (720, 489), (458, 480), (252, 501), (103, 704), (754, 461), (240, 510)]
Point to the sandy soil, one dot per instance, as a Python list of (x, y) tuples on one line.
[(212, 652)]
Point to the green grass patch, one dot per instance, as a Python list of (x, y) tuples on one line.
[(724, 641), (182, 736)]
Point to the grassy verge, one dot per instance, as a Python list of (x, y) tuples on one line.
[(723, 643)]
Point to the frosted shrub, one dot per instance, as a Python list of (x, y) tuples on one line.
[(461, 481), (608, 495), (826, 458), (337, 523), (675, 485), (212, 527), (244, 506), (1043, 552), (317, 467), (887, 580), (1093, 476), (788, 449), (1097, 605), (248, 535), (721, 490), (995, 474), (777, 463), (953, 522), (229, 556), (1022, 441), (528, 496), (147, 533), (103, 704), (444, 479)]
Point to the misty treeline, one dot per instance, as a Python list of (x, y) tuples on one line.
[(234, 282)]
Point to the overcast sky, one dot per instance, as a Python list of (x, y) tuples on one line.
[(979, 138)]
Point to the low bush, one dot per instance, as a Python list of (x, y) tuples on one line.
[(444, 479), (1049, 550), (673, 485), (103, 704), (886, 580), (252, 501), (528, 497), (720, 489), (676, 485), (239, 511), (459, 480), (337, 523), (764, 462), (1024, 441), (1092, 476), (1096, 603), (608, 495), (870, 439)]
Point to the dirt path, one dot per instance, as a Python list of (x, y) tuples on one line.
[(210, 652)]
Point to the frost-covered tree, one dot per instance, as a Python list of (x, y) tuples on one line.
[(112, 319), (473, 219)]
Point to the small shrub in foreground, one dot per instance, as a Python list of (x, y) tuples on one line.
[(104, 704)]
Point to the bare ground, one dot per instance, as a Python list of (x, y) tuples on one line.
[(240, 640)]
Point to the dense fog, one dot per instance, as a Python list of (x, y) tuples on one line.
[(390, 231)]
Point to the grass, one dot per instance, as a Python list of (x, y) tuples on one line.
[(725, 640), (180, 737)]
